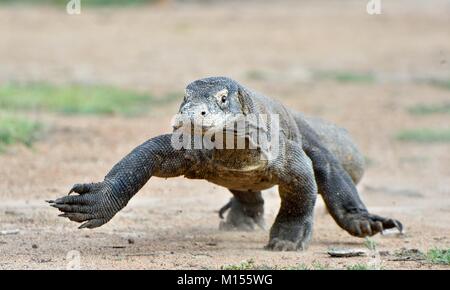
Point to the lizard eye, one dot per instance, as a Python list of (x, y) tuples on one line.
[(221, 97)]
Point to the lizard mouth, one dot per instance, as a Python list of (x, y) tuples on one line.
[(205, 126), (187, 127), (187, 123)]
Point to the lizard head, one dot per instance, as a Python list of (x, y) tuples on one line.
[(210, 103)]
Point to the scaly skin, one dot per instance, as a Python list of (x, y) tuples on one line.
[(314, 157), (246, 211)]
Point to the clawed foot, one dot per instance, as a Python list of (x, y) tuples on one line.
[(365, 224), (283, 245), (94, 205), (242, 217), (290, 236)]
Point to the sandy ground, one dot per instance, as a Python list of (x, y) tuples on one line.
[(173, 223)]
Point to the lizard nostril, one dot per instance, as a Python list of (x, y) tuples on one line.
[(203, 113)]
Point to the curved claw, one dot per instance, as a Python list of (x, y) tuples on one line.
[(284, 245), (225, 208), (365, 224), (81, 188), (93, 223), (93, 205), (391, 223), (399, 226)]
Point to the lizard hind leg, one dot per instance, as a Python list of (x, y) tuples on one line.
[(245, 212)]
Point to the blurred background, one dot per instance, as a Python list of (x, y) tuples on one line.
[(78, 92)]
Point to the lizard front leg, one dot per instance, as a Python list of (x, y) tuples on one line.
[(292, 228), (97, 203), (341, 197)]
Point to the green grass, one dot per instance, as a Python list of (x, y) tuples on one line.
[(439, 256), (424, 135), (428, 109), (244, 265), (250, 265), (302, 266), (439, 83), (76, 99), (345, 76), (370, 244), (360, 267), (17, 130), (319, 266)]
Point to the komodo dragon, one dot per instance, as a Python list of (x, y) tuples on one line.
[(313, 157)]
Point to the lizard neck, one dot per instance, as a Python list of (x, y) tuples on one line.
[(238, 159)]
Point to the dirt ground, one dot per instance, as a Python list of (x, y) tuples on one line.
[(173, 223)]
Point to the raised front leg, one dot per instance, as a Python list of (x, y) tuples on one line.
[(293, 225), (341, 197), (97, 203), (246, 211)]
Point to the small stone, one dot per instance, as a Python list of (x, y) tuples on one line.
[(130, 241), (34, 246), (9, 232), (345, 253)]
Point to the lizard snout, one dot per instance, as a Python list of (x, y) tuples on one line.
[(195, 111)]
